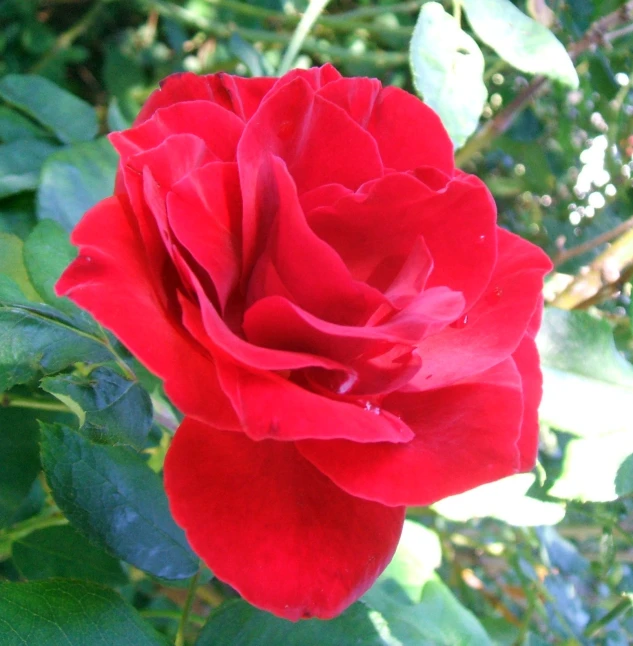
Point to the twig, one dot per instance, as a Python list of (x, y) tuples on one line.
[(621, 607), (13, 401), (605, 274), (174, 615), (67, 38), (336, 22), (371, 12), (318, 48), (579, 250), (598, 33), (312, 13), (186, 609)]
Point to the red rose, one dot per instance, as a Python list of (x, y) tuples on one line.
[(333, 307)]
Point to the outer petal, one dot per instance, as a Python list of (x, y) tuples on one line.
[(465, 436), (409, 134), (269, 524), (492, 329), (241, 97), (111, 280), (217, 127), (527, 362)]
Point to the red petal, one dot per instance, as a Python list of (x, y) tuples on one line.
[(246, 93), (295, 251), (527, 362), (110, 279), (409, 134), (315, 77), (270, 525), (465, 436), (204, 212), (357, 96), (306, 131), (217, 127), (492, 329), (390, 215), (241, 97), (270, 406)]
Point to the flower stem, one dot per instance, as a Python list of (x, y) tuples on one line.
[(623, 606), (186, 610), (320, 49), (13, 401), (314, 10), (174, 615), (67, 38), (26, 527)]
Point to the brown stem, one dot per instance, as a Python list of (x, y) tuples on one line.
[(598, 33), (606, 274), (579, 250)]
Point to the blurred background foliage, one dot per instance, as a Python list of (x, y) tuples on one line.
[(542, 558)]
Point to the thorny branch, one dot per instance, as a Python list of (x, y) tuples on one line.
[(600, 33)]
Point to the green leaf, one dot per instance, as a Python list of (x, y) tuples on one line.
[(448, 69), (112, 496), (415, 606), (47, 252), (75, 179), (438, 618), (419, 553), (12, 264), (587, 391), (19, 459), (505, 500), (576, 342), (63, 552), (20, 164), (521, 41), (69, 613), (67, 117), (246, 52), (624, 478), (36, 339), (17, 214), (110, 408), (590, 466), (236, 623), (14, 126)]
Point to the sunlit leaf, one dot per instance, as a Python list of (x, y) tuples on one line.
[(587, 391), (504, 499), (521, 41), (448, 69)]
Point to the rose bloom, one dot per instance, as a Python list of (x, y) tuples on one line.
[(332, 306)]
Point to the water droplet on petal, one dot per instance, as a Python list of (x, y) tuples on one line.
[(481, 239), (460, 322), (370, 408), (345, 386)]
